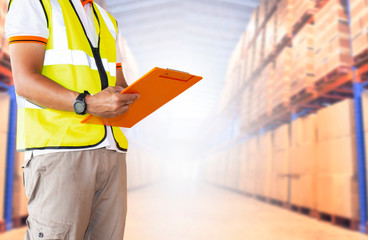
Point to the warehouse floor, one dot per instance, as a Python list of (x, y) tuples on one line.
[(177, 211)]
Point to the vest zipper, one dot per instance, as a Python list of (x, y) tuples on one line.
[(100, 67), (95, 51)]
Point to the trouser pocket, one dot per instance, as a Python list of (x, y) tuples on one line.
[(45, 229)]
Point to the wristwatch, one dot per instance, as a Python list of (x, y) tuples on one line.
[(79, 105)]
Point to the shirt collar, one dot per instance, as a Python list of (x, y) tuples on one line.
[(84, 2)]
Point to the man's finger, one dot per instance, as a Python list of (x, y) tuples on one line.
[(119, 89), (129, 96)]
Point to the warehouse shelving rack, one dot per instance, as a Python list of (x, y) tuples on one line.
[(6, 75), (346, 83)]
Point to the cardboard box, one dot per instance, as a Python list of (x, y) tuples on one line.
[(223, 165), (337, 156), (303, 191), (327, 125), (304, 131), (281, 161), (232, 174), (252, 27), (360, 43), (279, 188), (332, 36), (365, 110), (284, 19), (281, 87), (266, 79), (303, 159), (263, 10), (338, 195), (243, 168), (250, 184), (271, 34), (263, 187), (281, 137), (359, 14), (4, 110), (301, 7), (302, 73)]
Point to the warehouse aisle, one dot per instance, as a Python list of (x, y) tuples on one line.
[(183, 212)]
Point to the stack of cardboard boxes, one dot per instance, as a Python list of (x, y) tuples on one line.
[(303, 156), (263, 10), (254, 88), (280, 164), (337, 191), (281, 85), (359, 26), (233, 165), (365, 122), (221, 169), (266, 79), (264, 165), (243, 167), (245, 110), (4, 109), (302, 72), (332, 49), (243, 58), (284, 16), (271, 33), (259, 51), (142, 168), (253, 157), (303, 8), (252, 29)]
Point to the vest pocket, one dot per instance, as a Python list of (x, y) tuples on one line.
[(43, 229)]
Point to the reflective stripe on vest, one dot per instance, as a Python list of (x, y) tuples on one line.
[(70, 61), (61, 54)]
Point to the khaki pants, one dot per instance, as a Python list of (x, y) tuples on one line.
[(76, 195)]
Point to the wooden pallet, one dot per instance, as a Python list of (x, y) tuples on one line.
[(361, 59), (261, 198), (285, 41), (321, 3), (19, 221), (348, 223), (281, 107), (303, 210), (301, 95), (305, 19), (278, 203), (332, 76), (250, 195)]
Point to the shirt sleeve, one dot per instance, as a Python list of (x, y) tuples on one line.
[(119, 58), (26, 21)]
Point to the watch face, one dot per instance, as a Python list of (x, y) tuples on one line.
[(79, 107)]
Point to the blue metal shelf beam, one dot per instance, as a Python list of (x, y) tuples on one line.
[(10, 156), (360, 147)]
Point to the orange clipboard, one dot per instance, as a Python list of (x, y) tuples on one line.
[(156, 88)]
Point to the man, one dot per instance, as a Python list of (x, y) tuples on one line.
[(66, 63)]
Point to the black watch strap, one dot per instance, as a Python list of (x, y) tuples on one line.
[(82, 95)]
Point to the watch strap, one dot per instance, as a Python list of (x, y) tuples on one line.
[(82, 96)]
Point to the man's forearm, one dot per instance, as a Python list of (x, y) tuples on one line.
[(45, 92), (32, 85)]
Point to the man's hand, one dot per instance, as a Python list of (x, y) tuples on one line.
[(109, 102)]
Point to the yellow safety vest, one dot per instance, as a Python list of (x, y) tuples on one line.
[(71, 61)]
